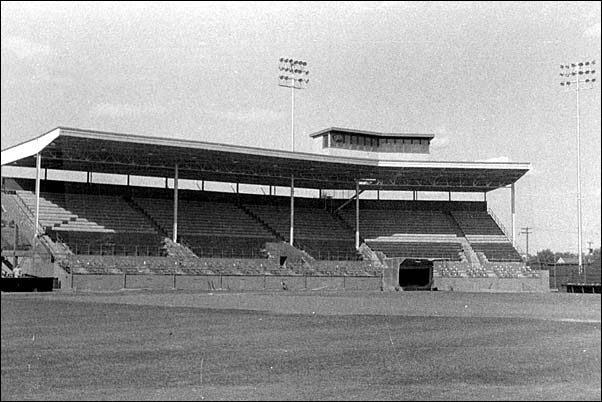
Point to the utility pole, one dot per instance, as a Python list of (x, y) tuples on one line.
[(578, 76), (293, 75), (526, 231)]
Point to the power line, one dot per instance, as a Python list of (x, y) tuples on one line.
[(526, 231)]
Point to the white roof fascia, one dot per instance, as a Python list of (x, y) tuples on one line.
[(456, 165), (29, 148)]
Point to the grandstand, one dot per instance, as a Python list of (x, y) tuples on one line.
[(88, 229)]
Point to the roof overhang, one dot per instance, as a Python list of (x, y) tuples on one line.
[(96, 151), (339, 130)]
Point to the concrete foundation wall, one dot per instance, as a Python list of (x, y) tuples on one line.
[(150, 281), (203, 283), (325, 282), (353, 283), (535, 285), (292, 282), (242, 282), (96, 282), (214, 282), (63, 277)]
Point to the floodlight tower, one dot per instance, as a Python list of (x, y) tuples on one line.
[(293, 75), (577, 77)]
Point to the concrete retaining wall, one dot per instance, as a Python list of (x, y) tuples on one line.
[(96, 282), (214, 282), (535, 285)]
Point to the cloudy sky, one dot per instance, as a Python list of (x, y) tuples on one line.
[(483, 77)]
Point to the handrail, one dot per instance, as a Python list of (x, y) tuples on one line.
[(25, 215), (501, 226)]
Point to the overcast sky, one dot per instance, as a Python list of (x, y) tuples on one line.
[(483, 77)]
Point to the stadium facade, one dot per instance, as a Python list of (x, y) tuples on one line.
[(90, 234)]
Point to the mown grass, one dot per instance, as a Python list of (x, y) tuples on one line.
[(85, 348)]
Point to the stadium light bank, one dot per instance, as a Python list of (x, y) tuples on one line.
[(577, 77), (293, 75)]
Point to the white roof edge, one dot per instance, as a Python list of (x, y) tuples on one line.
[(456, 165), (29, 148)]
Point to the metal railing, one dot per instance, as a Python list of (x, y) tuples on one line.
[(87, 248), (221, 252), (505, 231)]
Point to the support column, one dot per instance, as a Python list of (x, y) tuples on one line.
[(449, 193), (513, 211), (357, 215), (291, 238), (175, 205), (37, 219), (485, 196), (128, 181)]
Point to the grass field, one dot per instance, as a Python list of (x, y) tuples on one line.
[(142, 345)]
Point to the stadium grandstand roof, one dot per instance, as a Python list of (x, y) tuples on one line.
[(105, 152)]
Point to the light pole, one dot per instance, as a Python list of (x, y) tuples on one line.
[(293, 75), (578, 76)]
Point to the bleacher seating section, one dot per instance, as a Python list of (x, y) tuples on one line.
[(316, 230), (497, 251), (447, 251), (87, 213), (94, 224), (12, 226), (486, 236), (209, 228), (375, 222), (227, 231), (476, 223)]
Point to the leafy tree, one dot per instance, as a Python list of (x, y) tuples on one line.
[(564, 255), (546, 256), (594, 258)]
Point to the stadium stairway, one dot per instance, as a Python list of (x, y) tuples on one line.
[(335, 214), (148, 216), (276, 234), (16, 210)]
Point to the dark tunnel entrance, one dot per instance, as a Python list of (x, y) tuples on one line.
[(416, 274)]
